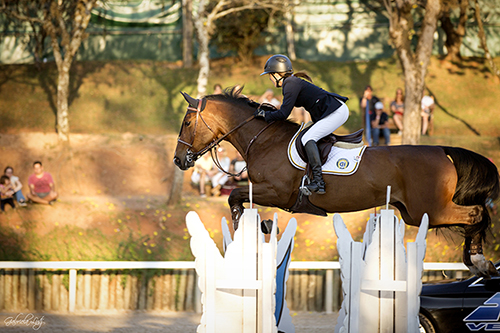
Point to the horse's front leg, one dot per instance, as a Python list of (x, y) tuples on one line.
[(262, 195), (236, 199)]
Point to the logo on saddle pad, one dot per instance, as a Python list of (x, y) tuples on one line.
[(340, 161)]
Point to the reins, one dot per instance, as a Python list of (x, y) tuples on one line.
[(193, 156)]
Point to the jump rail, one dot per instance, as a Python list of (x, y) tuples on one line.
[(73, 266)]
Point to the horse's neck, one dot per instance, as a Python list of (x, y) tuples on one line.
[(255, 131)]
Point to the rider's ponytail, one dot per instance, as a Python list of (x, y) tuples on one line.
[(303, 75)]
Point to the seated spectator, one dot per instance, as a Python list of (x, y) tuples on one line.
[(379, 122), (203, 171), (220, 178), (427, 110), (397, 109), (217, 89), (42, 188), (16, 184), (268, 97), (237, 165), (6, 193)]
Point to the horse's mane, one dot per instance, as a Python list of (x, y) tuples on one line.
[(233, 95)]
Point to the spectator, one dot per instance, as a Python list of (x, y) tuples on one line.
[(42, 188), (367, 106), (268, 97), (397, 109), (300, 115), (6, 193), (221, 177), (427, 110), (16, 184), (203, 170), (237, 165), (217, 89), (379, 122)]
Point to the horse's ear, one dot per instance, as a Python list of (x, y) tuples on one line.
[(193, 102)]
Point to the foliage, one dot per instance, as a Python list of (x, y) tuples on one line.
[(242, 32)]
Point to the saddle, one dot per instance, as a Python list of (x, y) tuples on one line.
[(325, 144)]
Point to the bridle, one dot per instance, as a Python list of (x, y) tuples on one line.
[(191, 156)]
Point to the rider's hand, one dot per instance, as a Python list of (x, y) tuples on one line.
[(259, 113)]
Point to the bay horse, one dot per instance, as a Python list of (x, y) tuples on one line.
[(450, 184)]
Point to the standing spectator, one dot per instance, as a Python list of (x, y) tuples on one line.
[(6, 193), (42, 188), (397, 109), (217, 89), (268, 97), (16, 184), (367, 106), (427, 110), (379, 122)]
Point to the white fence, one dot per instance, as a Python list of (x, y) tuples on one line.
[(299, 283)]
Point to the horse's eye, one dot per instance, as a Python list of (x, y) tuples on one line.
[(187, 123)]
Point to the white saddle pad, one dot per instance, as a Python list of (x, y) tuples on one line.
[(340, 161)]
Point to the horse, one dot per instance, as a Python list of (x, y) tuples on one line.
[(450, 184)]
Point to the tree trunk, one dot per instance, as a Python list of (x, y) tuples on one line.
[(176, 189), (62, 104), (187, 33), (482, 37), (202, 29), (290, 40), (414, 63), (454, 36)]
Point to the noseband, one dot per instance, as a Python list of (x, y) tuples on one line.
[(193, 156)]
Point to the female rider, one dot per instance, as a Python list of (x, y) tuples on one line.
[(328, 110)]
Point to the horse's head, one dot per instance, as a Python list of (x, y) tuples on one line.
[(195, 135)]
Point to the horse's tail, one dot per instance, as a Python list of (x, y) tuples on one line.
[(478, 180)]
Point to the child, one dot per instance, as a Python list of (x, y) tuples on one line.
[(16, 185), (6, 193)]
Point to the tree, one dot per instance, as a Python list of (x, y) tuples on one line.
[(242, 31), (454, 34), (482, 37), (205, 19), (414, 60), (64, 22)]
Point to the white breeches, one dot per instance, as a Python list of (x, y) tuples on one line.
[(327, 125)]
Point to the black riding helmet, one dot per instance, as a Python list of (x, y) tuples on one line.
[(278, 63)]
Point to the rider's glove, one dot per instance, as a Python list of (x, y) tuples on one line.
[(259, 113)]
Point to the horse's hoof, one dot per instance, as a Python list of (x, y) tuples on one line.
[(267, 227), (485, 268)]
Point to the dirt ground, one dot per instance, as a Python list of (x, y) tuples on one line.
[(115, 188), (139, 322)]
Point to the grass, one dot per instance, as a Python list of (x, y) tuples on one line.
[(143, 97)]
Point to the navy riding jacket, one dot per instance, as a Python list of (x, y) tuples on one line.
[(301, 93)]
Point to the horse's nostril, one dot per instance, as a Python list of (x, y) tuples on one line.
[(177, 161)]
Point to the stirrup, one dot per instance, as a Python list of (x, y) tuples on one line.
[(303, 189)]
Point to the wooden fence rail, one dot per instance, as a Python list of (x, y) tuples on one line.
[(70, 286)]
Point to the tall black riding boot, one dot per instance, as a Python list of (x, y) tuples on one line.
[(317, 184)]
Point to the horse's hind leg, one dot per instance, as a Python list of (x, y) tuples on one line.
[(474, 259)]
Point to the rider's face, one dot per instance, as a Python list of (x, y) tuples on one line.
[(274, 77)]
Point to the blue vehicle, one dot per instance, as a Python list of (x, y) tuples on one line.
[(471, 305)]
